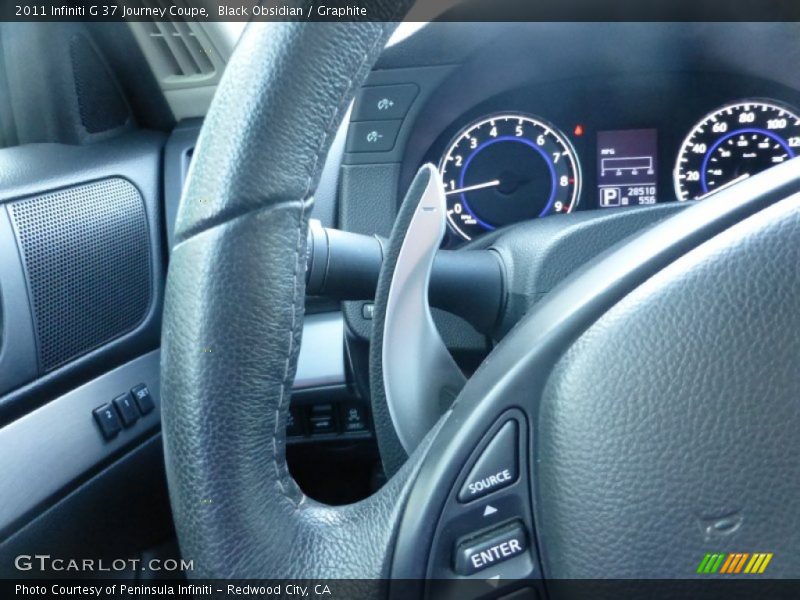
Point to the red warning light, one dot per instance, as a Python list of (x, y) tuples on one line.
[(578, 130)]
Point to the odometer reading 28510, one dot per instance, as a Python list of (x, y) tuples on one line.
[(734, 143), (507, 168)]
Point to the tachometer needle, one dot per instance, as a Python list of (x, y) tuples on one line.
[(726, 186), (477, 186)]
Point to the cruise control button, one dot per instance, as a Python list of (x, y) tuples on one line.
[(496, 467), (490, 549)]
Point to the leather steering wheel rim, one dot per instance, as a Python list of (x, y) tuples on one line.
[(234, 307)]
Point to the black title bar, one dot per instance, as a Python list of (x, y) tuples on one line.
[(423, 10)]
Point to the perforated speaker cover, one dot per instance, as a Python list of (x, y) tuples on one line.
[(87, 263), (100, 103)]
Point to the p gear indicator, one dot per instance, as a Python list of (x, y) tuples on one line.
[(626, 167)]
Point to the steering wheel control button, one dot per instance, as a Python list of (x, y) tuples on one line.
[(127, 409), (491, 548), (108, 420), (495, 468), (372, 136), (384, 102), (143, 398)]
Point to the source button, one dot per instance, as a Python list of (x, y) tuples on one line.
[(496, 467)]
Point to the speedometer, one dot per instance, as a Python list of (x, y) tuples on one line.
[(507, 168), (734, 143)]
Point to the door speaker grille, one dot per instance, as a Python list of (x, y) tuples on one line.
[(87, 263)]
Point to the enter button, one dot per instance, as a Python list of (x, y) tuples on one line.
[(496, 467), (490, 549)]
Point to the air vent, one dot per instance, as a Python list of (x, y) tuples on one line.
[(180, 53), (186, 57), (183, 54)]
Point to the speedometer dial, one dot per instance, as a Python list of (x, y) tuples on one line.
[(508, 168), (734, 143)]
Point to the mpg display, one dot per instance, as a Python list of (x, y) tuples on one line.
[(626, 167)]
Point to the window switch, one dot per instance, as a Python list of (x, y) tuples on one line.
[(127, 409), (143, 398), (107, 420)]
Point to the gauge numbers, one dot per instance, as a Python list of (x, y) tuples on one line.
[(734, 143), (508, 168)]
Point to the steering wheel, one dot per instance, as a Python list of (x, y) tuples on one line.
[(640, 417)]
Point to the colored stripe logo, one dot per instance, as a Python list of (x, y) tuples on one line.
[(734, 563)]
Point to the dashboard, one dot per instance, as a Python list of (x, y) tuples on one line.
[(601, 143), (617, 108)]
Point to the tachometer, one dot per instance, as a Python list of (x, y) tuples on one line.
[(508, 168), (734, 143)]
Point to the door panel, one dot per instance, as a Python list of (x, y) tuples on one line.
[(81, 276)]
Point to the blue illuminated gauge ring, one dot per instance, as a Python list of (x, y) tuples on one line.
[(518, 140), (506, 168), (733, 143)]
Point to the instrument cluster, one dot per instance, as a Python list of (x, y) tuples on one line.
[(506, 166)]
